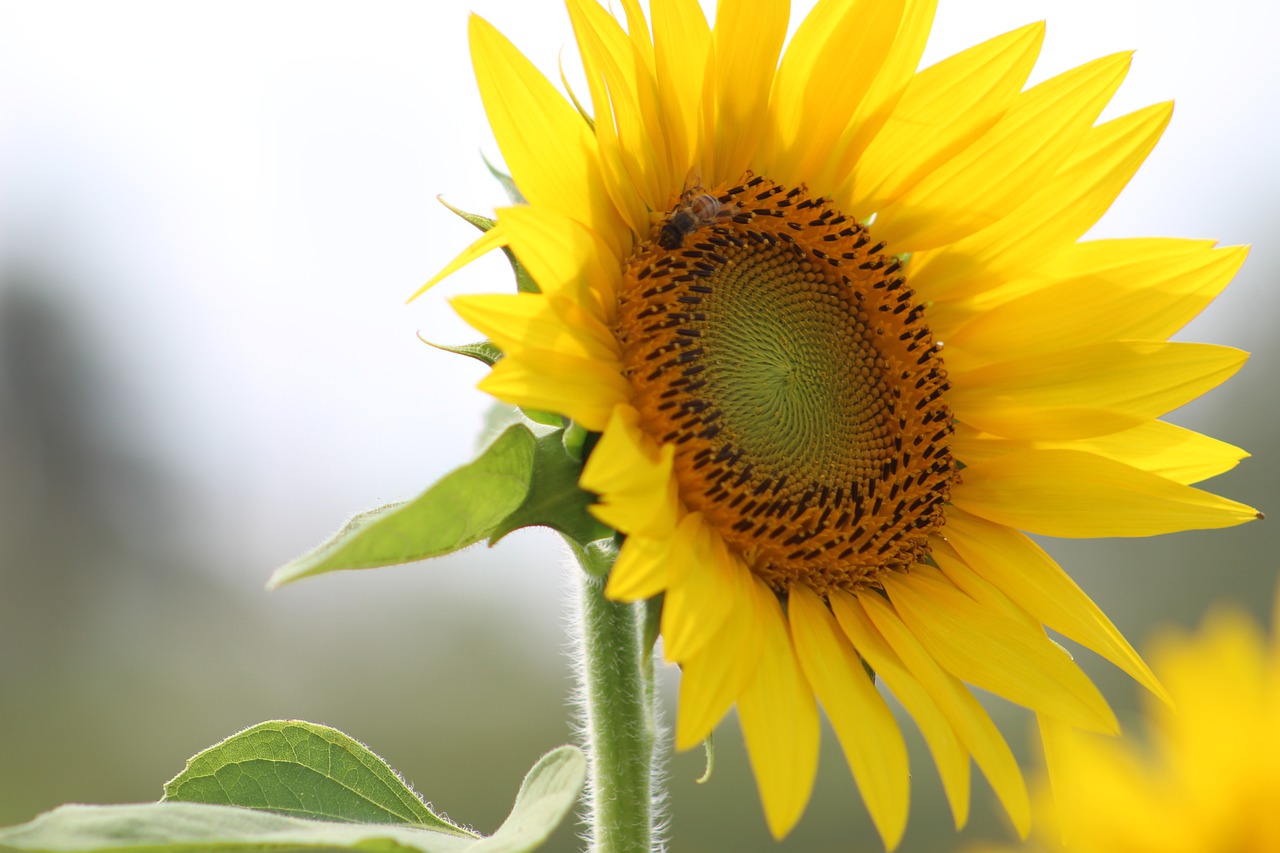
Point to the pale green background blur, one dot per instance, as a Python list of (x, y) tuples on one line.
[(210, 217)]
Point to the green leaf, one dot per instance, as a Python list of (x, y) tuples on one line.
[(483, 351), (464, 507), (554, 498), (548, 793), (513, 192), (305, 770), (524, 281)]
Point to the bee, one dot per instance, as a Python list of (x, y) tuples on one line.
[(696, 208)]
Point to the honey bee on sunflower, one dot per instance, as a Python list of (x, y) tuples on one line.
[(696, 209)]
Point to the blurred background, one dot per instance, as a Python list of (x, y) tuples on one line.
[(210, 218)]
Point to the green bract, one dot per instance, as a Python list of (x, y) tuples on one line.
[(524, 282)]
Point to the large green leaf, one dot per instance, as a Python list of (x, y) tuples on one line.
[(305, 770), (467, 505), (548, 793), (554, 498)]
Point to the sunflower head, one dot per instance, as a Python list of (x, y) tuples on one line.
[(786, 360), (1202, 775), (832, 325)]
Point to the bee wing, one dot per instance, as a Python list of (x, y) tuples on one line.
[(692, 184)]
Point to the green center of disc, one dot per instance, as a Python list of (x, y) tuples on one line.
[(790, 370)]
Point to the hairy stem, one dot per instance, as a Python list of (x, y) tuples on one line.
[(620, 724)]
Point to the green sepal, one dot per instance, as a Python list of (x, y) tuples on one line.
[(538, 416), (484, 223), (586, 116), (489, 354), (304, 770), (486, 352), (549, 791), (652, 627), (709, 746), (466, 506), (575, 440), (554, 498), (595, 558), (524, 281), (867, 668), (508, 184), (502, 415)]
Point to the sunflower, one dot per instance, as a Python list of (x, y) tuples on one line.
[(1208, 777), (832, 326)]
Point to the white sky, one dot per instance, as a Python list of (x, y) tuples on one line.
[(237, 197)]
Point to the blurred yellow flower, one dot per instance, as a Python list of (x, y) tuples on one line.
[(1206, 776), (749, 262)]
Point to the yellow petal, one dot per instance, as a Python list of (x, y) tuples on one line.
[(628, 157), (640, 571), (895, 74), (682, 41), (699, 589), (1004, 167), (1106, 290), (485, 243), (746, 42), (582, 389), (1089, 390), (949, 754), (1173, 452), (946, 566), (971, 723), (516, 321), (625, 60), (1057, 214), (564, 257), (529, 118), (779, 722), (997, 652), (944, 108), (1108, 782), (713, 679), (1075, 494), (868, 733), (1022, 570), (632, 476), (1219, 680), (638, 32), (1055, 741), (830, 64), (669, 166)]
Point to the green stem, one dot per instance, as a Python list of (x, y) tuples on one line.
[(620, 726)]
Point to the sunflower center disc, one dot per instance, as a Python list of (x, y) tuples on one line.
[(785, 357)]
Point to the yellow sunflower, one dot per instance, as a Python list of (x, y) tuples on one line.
[(831, 321), (1209, 775)]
